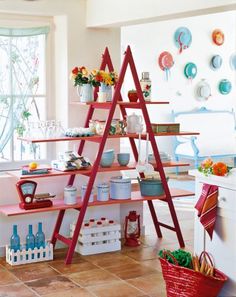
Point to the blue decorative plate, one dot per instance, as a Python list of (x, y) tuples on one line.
[(190, 70), (225, 86), (216, 62), (232, 61), (182, 38)]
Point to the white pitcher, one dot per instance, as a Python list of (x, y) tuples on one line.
[(85, 93), (134, 122)]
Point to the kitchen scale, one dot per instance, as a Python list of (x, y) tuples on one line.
[(26, 190)]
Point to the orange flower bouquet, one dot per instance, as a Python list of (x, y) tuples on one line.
[(209, 167)]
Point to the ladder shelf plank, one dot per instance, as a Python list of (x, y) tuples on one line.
[(97, 138), (58, 204), (114, 167)]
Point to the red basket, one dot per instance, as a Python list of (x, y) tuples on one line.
[(185, 282)]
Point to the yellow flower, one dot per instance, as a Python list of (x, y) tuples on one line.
[(85, 72), (94, 72)]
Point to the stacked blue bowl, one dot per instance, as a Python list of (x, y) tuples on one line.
[(108, 158)]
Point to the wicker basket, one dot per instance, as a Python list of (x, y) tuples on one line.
[(185, 282)]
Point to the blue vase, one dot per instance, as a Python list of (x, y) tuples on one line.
[(85, 93), (15, 240), (107, 91), (40, 237)]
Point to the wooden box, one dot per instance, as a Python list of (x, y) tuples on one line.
[(166, 128)]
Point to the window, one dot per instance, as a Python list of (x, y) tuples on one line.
[(22, 93)]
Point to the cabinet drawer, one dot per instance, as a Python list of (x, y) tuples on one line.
[(227, 199)]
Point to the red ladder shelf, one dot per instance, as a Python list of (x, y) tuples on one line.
[(117, 99)]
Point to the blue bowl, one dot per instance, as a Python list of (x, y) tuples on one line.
[(123, 158), (110, 153), (106, 161)]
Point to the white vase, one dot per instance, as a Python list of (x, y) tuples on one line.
[(105, 92), (85, 93)]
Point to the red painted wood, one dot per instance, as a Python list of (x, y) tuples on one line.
[(58, 204)]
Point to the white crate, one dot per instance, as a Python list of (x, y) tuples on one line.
[(31, 256), (96, 240)]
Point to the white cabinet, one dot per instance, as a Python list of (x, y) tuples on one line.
[(223, 244)]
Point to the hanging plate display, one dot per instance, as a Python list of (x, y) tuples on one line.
[(225, 86), (216, 62), (218, 37), (232, 61), (203, 90), (166, 62), (190, 71), (182, 38)]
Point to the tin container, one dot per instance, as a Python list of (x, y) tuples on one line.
[(103, 192), (70, 195), (120, 188), (83, 191), (166, 128)]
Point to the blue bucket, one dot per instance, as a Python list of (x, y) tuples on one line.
[(151, 187)]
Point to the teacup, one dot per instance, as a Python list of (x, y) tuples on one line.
[(123, 158)]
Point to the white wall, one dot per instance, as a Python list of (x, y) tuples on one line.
[(122, 12), (147, 41)]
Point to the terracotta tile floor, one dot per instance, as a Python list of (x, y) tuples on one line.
[(132, 272)]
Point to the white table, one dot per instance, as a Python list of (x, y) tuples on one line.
[(223, 245)]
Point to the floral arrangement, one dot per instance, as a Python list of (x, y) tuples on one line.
[(81, 75), (108, 78), (209, 167)]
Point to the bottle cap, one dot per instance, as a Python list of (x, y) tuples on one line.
[(145, 75), (103, 219), (92, 220), (111, 222), (99, 223), (86, 225)]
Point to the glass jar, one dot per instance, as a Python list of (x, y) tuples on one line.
[(100, 127), (146, 85)]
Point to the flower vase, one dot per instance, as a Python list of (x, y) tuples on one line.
[(85, 93), (106, 91)]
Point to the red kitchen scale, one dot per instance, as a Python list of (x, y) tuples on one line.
[(26, 190)]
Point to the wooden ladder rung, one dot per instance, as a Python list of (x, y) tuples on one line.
[(167, 226), (64, 239)]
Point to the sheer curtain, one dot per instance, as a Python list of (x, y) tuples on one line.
[(20, 81)]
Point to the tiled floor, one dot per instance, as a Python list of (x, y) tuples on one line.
[(132, 272)]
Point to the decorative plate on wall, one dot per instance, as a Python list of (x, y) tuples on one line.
[(165, 62), (182, 38), (203, 90), (190, 71), (218, 37), (225, 86), (216, 62), (232, 61)]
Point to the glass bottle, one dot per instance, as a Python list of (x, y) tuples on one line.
[(146, 86), (15, 240), (30, 239), (40, 237)]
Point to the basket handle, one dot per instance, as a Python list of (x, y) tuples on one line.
[(207, 257), (167, 253)]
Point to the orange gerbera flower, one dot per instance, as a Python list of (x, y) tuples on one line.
[(207, 163), (219, 168)]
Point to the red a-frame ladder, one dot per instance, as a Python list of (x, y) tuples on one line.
[(106, 61)]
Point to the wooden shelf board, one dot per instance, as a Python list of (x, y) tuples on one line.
[(58, 204), (97, 138), (114, 167), (125, 103)]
